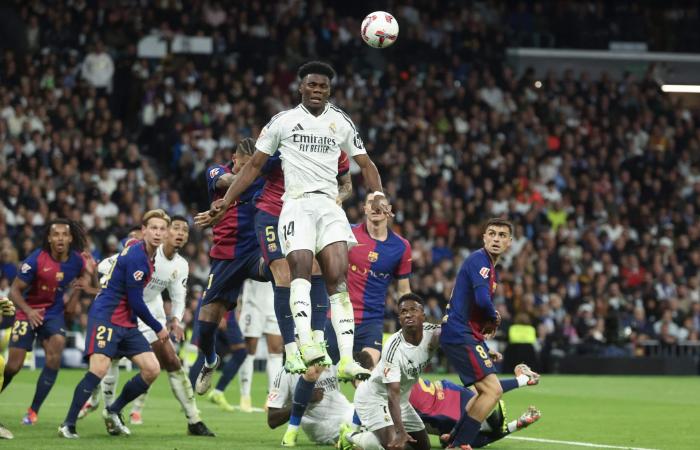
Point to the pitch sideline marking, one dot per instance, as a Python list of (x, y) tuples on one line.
[(580, 444)]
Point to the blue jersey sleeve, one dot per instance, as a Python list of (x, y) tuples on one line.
[(271, 163), (447, 384), (137, 271), (479, 271), (213, 175), (29, 267)]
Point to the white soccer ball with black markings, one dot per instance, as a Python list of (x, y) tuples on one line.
[(379, 29)]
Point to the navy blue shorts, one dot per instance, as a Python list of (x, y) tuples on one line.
[(471, 361), (227, 276), (23, 334), (266, 230), (367, 334), (114, 341)]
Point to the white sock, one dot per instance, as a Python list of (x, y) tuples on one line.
[(522, 380), (110, 382), (94, 399), (182, 389), (292, 427), (274, 364), (138, 404), (245, 375), (291, 349), (366, 440), (343, 320), (319, 336), (512, 426), (300, 303)]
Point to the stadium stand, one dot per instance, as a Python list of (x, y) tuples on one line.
[(600, 175)]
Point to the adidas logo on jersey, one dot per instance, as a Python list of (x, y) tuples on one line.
[(298, 128)]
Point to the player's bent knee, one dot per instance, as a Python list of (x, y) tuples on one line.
[(490, 387)]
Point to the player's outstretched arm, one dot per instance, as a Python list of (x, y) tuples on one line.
[(394, 397), (344, 187), (374, 182), (243, 179)]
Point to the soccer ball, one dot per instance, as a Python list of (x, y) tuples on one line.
[(379, 29)]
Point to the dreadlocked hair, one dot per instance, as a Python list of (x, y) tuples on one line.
[(246, 146), (79, 242)]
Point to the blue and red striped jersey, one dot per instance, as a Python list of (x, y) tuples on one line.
[(48, 281), (464, 316), (235, 233), (131, 272), (372, 266)]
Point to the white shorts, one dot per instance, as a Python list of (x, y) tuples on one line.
[(258, 310), (311, 223), (373, 411), (159, 314), (327, 431)]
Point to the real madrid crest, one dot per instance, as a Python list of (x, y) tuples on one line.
[(332, 127)]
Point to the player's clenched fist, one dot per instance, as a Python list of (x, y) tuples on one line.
[(7, 308)]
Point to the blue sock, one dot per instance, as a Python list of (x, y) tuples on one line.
[(82, 393), (43, 387), (231, 368), (196, 368), (302, 395), (284, 314), (482, 440), (319, 303), (509, 384), (356, 419), (467, 431), (132, 389), (207, 338)]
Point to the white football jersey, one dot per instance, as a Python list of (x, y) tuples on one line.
[(322, 419), (170, 274), (402, 362), (310, 147)]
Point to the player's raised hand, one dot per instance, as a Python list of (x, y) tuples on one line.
[(35, 317), (216, 206), (495, 356), (163, 335), (381, 204)]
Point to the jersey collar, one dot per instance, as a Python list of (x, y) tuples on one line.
[(328, 105)]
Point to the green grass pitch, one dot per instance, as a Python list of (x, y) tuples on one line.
[(621, 412)]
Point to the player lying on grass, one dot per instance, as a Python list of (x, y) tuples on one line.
[(327, 406), (440, 404)]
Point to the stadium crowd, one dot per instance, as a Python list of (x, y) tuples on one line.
[(600, 175)]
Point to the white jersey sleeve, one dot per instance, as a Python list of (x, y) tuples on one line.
[(178, 288), (351, 142), (389, 364), (105, 266), (269, 140), (280, 395)]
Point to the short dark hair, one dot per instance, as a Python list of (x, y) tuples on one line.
[(499, 222), (134, 228), (246, 146), (316, 67), (410, 296), (179, 218)]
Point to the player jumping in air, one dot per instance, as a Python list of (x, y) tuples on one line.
[(235, 257), (470, 317), (309, 138), (113, 332), (37, 292)]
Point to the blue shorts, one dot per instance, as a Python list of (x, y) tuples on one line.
[(227, 276), (23, 334), (471, 361), (266, 230), (367, 334), (114, 341)]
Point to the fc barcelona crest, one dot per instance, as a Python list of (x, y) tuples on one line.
[(101, 344), (59, 276), (373, 256)]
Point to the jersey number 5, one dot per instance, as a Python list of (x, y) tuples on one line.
[(288, 229), (270, 233)]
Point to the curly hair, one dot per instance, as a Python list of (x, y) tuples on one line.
[(79, 243), (316, 67)]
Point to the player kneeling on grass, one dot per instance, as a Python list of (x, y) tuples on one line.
[(113, 332), (381, 402), (327, 407), (440, 404)]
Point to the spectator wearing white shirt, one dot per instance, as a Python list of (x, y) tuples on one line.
[(98, 68)]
